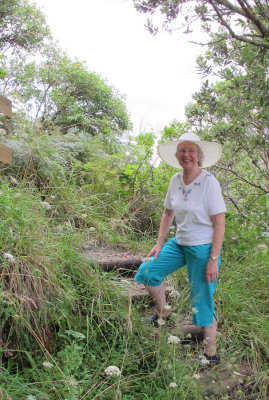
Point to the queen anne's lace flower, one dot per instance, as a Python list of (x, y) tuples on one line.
[(47, 364), (174, 294), (194, 310), (45, 205), (172, 385), (203, 360), (112, 370), (173, 340), (161, 321), (13, 180), (9, 257), (196, 376), (167, 307)]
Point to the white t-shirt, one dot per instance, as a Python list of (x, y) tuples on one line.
[(193, 205)]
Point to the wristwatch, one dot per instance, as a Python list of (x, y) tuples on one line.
[(213, 258)]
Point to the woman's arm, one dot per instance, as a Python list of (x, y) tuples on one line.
[(218, 236), (165, 224)]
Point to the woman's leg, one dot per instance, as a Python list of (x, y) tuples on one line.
[(210, 338), (202, 303), (159, 298), (151, 273)]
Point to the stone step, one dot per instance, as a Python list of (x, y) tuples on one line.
[(111, 259)]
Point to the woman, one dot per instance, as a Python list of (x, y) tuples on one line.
[(194, 198)]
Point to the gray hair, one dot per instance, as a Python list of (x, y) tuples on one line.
[(201, 155)]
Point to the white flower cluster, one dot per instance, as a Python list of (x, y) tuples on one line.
[(47, 364), (174, 294), (45, 205), (167, 307), (172, 385), (161, 321), (13, 180), (196, 376), (30, 397), (173, 340), (194, 310), (9, 257), (203, 360), (112, 370)]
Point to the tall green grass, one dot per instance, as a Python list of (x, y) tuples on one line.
[(59, 309)]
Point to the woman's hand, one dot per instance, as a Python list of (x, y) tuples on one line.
[(156, 250), (211, 271)]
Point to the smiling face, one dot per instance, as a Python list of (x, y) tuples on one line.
[(188, 155)]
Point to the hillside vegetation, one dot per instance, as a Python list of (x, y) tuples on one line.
[(80, 177)]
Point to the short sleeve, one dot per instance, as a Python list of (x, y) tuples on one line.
[(214, 199), (167, 202)]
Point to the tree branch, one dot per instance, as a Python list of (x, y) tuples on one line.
[(233, 34), (253, 18), (244, 179)]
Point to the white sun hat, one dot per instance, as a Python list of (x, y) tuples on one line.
[(212, 150)]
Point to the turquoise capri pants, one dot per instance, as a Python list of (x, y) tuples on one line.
[(174, 256)]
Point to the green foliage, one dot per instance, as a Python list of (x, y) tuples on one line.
[(245, 22), (234, 112), (22, 26), (61, 93)]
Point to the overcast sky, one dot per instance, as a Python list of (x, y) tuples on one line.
[(156, 74)]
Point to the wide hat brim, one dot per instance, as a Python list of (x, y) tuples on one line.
[(212, 152)]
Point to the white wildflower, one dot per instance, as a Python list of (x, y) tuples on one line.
[(173, 340), (204, 361), (161, 321), (47, 364), (45, 205), (147, 259), (196, 376), (92, 229), (172, 385), (53, 197), (13, 180), (228, 387), (83, 216), (213, 382), (174, 294), (9, 257), (30, 397), (167, 307), (71, 381), (112, 370), (2, 116), (237, 373), (2, 132), (194, 310)]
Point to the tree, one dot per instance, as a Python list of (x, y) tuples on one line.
[(22, 26), (235, 111), (246, 21), (58, 91)]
